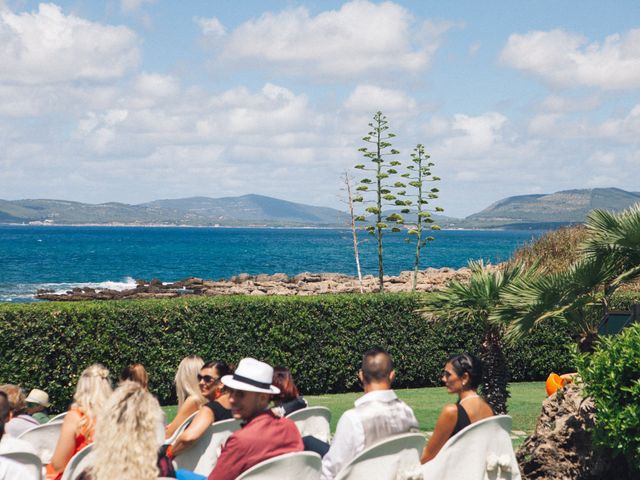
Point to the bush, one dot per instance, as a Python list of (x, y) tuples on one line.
[(321, 338), (612, 378)]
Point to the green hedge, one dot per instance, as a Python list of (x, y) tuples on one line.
[(321, 338), (612, 378)]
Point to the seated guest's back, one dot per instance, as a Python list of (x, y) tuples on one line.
[(217, 408), (263, 434), (289, 399), (378, 414), (462, 375), (20, 420), (190, 398), (135, 373), (126, 436), (92, 392), (10, 470)]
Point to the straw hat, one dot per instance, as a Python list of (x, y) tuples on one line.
[(38, 396), (252, 376)]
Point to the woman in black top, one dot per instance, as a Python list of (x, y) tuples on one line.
[(216, 409), (462, 375)]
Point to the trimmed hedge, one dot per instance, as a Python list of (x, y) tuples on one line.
[(321, 338)]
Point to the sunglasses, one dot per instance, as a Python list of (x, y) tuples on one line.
[(207, 378)]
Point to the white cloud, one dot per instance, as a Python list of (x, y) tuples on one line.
[(625, 129), (48, 47), (155, 85), (560, 104), (359, 38), (368, 98), (128, 6), (567, 59), (211, 27)]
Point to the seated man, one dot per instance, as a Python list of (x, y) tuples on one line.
[(378, 414), (263, 434)]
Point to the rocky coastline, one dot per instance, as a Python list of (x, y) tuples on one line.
[(429, 280)]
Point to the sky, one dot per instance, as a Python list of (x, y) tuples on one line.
[(138, 100)]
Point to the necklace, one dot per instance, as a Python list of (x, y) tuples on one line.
[(468, 397)]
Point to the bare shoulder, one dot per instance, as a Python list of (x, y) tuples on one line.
[(449, 410)]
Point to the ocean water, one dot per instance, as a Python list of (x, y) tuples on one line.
[(60, 258)]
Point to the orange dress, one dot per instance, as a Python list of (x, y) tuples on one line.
[(83, 438)]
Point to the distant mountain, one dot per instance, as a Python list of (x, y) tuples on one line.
[(548, 210), (523, 211), (247, 210)]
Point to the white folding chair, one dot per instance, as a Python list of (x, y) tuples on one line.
[(396, 457), (483, 450), (183, 426), (28, 460), (43, 439), (314, 421), (78, 463), (58, 418), (290, 466), (202, 456)]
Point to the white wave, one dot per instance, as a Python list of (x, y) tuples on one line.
[(21, 292)]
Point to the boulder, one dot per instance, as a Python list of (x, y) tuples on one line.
[(560, 446)]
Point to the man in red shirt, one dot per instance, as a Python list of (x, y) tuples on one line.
[(263, 435)]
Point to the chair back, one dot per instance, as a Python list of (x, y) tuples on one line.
[(44, 439), (28, 460), (58, 418), (483, 450), (397, 457), (313, 421), (183, 426), (78, 463), (202, 456), (290, 466)]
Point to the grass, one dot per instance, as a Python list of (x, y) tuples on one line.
[(524, 405)]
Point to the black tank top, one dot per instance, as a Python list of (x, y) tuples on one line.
[(463, 419), (219, 412)]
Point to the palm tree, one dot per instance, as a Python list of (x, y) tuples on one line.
[(476, 300), (610, 257)]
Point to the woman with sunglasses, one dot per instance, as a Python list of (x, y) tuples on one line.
[(190, 398), (462, 375), (217, 408)]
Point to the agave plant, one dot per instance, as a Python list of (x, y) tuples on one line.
[(476, 300), (610, 257)]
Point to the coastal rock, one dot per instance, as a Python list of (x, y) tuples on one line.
[(306, 283)]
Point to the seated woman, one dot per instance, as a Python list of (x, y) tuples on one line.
[(135, 373), (92, 392), (218, 406), (126, 437), (20, 420), (462, 375), (289, 399), (188, 392)]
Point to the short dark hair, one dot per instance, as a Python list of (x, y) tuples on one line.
[(4, 411), (467, 363), (376, 365)]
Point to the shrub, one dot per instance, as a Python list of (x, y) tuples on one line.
[(321, 338), (612, 378)]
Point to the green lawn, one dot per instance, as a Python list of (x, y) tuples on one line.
[(524, 405)]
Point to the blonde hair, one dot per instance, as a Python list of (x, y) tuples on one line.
[(126, 439), (16, 398), (187, 379), (92, 391)]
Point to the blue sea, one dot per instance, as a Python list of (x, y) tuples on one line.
[(60, 258)]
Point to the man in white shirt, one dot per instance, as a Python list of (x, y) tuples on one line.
[(378, 414)]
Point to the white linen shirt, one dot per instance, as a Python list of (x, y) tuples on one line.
[(349, 439)]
